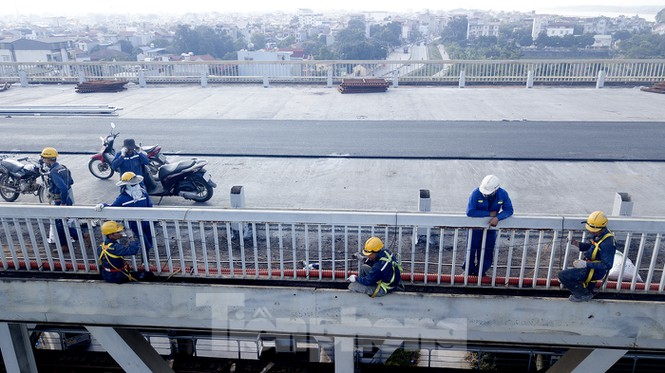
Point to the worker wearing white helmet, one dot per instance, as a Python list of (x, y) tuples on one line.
[(487, 201)]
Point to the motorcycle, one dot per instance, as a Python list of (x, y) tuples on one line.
[(186, 178), (23, 176), (100, 163)]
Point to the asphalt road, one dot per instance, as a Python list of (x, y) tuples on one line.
[(608, 141)]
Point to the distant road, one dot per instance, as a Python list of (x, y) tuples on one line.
[(605, 141)]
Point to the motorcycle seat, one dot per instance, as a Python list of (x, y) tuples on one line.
[(149, 149), (12, 165), (171, 168)]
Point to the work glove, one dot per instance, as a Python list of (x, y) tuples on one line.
[(579, 263), (123, 151), (99, 207), (351, 278)]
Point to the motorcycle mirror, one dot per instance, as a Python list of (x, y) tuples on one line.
[(112, 125)]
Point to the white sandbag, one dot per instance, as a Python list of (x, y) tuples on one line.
[(628, 269)]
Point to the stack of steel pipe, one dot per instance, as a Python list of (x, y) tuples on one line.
[(656, 88), (101, 86), (363, 85), (59, 110)]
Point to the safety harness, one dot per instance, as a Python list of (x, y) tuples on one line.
[(386, 286), (596, 250), (105, 254)]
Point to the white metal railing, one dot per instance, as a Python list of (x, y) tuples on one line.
[(326, 72), (319, 245)]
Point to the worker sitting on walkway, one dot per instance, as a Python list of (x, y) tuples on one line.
[(597, 260), (112, 265), (380, 273)]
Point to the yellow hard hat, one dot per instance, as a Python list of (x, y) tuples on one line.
[(372, 245), (110, 227), (49, 153), (596, 222), (129, 178)]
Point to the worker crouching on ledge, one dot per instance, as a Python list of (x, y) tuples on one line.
[(112, 265), (598, 258), (380, 273)]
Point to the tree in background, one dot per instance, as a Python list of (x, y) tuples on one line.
[(660, 17), (202, 40), (455, 31)]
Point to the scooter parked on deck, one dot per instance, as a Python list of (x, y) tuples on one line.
[(100, 163), (23, 176), (186, 178)]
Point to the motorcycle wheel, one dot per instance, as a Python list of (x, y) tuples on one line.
[(44, 196), (202, 188), (8, 186), (99, 169)]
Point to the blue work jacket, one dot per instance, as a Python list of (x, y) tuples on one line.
[(479, 206)]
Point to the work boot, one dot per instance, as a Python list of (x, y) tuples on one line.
[(581, 298)]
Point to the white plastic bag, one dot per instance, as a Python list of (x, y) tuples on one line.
[(628, 269)]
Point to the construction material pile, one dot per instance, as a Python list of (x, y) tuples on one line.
[(656, 88), (101, 86), (363, 85)]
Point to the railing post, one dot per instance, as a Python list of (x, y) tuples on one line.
[(529, 79), (23, 77), (81, 75), (329, 79), (462, 78), (238, 202), (142, 83), (204, 79), (623, 205), (266, 82), (395, 79), (600, 83), (424, 205)]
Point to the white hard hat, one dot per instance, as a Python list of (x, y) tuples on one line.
[(489, 185)]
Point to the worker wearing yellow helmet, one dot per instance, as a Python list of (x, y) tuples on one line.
[(60, 179), (597, 259), (110, 255), (380, 273)]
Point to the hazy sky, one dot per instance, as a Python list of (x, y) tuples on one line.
[(71, 7)]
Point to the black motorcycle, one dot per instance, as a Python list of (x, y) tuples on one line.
[(100, 163), (23, 176), (185, 178)]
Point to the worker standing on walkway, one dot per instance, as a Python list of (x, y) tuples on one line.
[(132, 194), (488, 200), (597, 259), (112, 265), (60, 188), (131, 158), (380, 273), (60, 178)]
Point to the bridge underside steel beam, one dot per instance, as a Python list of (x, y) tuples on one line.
[(129, 349), (479, 319), (580, 360), (15, 346)]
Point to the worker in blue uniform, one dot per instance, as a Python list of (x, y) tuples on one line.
[(380, 273), (596, 262), (112, 265), (130, 159), (133, 194), (60, 178), (488, 200)]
